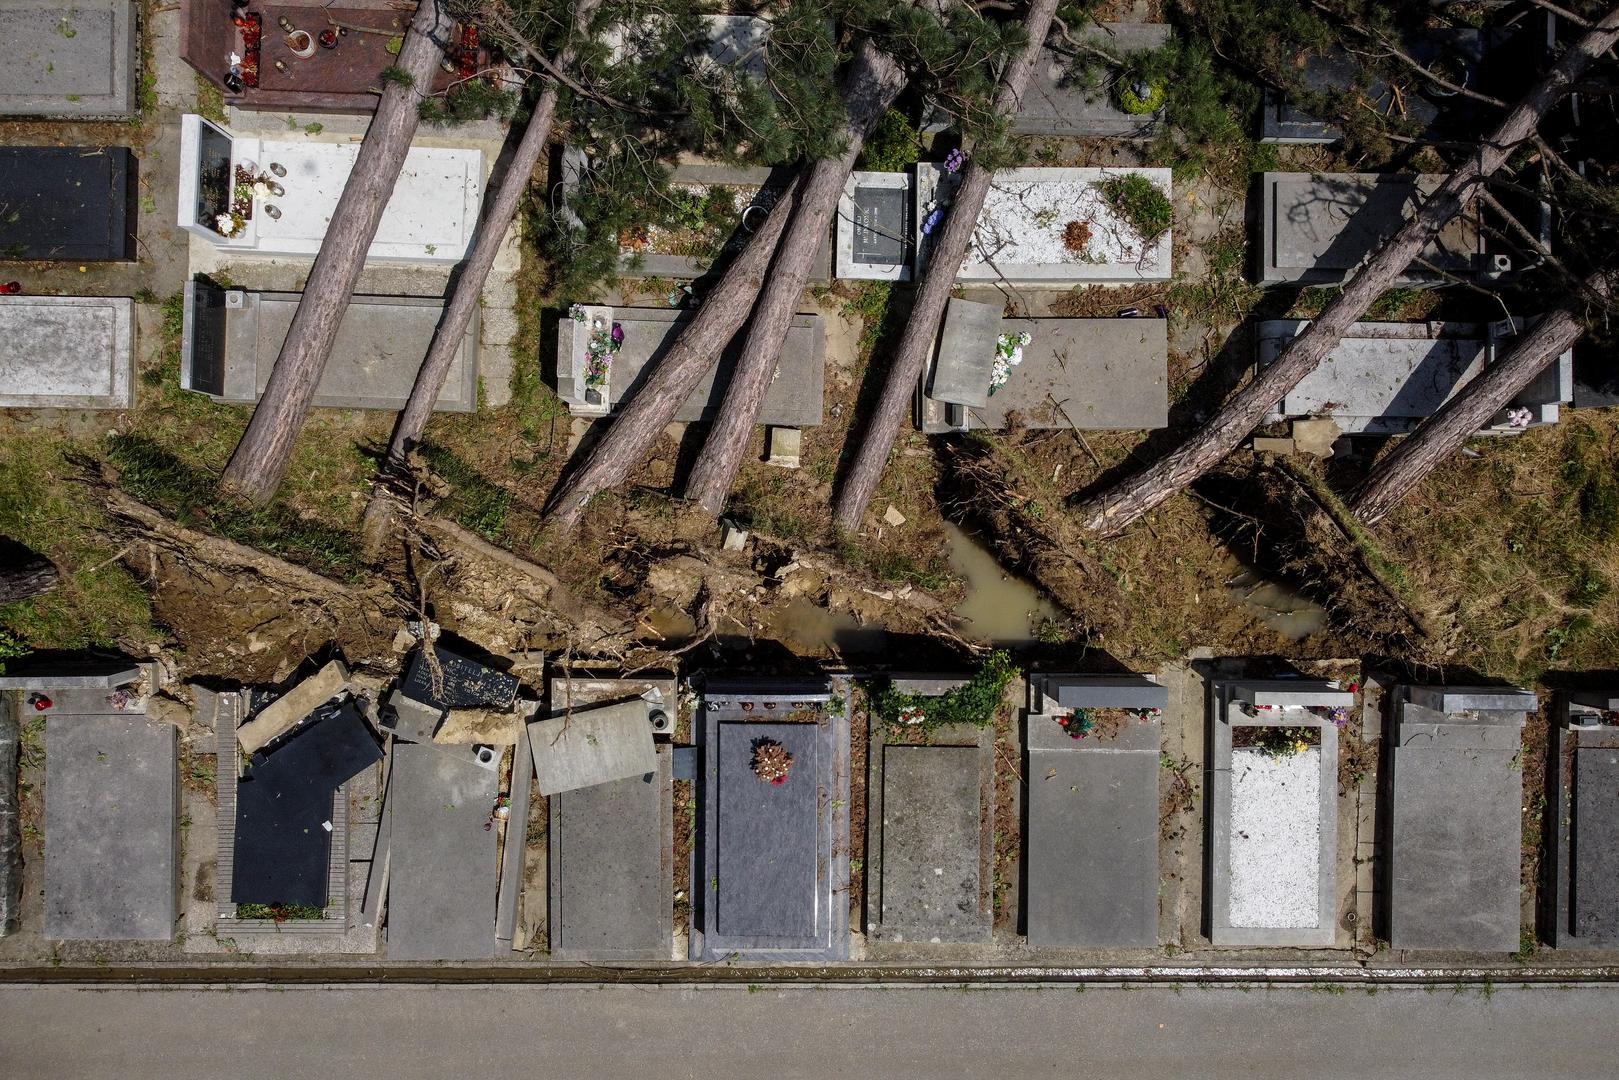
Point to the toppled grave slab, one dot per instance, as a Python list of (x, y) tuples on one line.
[(1273, 812), (772, 869), (1386, 378), (1092, 840), (1455, 830), (278, 717), (593, 745), (66, 352)]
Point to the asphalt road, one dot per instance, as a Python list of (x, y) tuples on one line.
[(629, 1033)]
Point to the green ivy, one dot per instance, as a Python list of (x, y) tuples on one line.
[(974, 703)]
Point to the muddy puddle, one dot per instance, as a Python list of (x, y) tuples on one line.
[(1286, 611), (999, 607)]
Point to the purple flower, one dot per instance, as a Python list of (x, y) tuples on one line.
[(954, 161)]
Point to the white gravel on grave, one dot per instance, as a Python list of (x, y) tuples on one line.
[(1275, 839), (1023, 222)]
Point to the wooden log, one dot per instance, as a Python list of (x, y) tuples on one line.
[(873, 82), (261, 457), (1460, 418), (1110, 512), (927, 311), (24, 572)]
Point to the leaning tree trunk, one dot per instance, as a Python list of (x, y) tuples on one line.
[(498, 215), (24, 572), (870, 88), (642, 419), (927, 311), (1110, 512), (261, 458), (1443, 433)]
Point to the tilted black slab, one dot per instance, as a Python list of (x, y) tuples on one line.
[(282, 804), (67, 203), (467, 684)]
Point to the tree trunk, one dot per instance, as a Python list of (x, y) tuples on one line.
[(498, 216), (24, 572), (642, 419), (1443, 433), (873, 82), (261, 458), (1110, 512), (927, 312)]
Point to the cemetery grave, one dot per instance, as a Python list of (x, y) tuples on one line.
[(1315, 228), (276, 196), (1385, 378), (1058, 228), (1455, 825), (611, 844), (1064, 104), (771, 875), (112, 799), (1091, 838), (1090, 374), (66, 352), (1272, 812), (876, 234), (76, 61), (602, 351), (67, 203), (231, 338), (1582, 857), (930, 811)]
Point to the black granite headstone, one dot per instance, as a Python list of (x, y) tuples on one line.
[(207, 341), (1596, 842), (767, 836), (467, 684), (283, 803), (61, 203), (882, 225)]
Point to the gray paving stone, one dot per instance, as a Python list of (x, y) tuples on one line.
[(231, 338), (442, 864), (66, 352), (62, 61), (1092, 846), (1291, 693), (592, 746), (610, 869), (112, 799), (1606, 700), (1454, 847), (1455, 699), (931, 881), (1595, 835)]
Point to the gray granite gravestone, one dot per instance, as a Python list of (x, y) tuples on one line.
[(75, 60), (774, 858), (231, 338), (967, 344), (1596, 843), (1456, 830), (592, 745), (66, 352), (1316, 228), (1097, 691), (75, 671), (1091, 374), (1059, 103), (931, 882), (875, 234), (442, 862), (610, 869), (1092, 843), (1582, 856), (112, 813)]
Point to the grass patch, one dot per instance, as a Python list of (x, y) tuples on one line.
[(279, 912), (473, 502), (1138, 200)]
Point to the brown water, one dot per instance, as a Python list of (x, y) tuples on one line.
[(999, 607), (1289, 613)]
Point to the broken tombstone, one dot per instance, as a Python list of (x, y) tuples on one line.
[(593, 745)]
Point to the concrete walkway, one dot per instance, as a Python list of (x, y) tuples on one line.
[(900, 1033)]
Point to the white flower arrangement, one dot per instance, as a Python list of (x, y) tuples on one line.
[(1008, 355), (912, 717)]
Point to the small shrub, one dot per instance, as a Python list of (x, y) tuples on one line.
[(1141, 97), (974, 704), (893, 145), (1076, 236), (1138, 200)]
